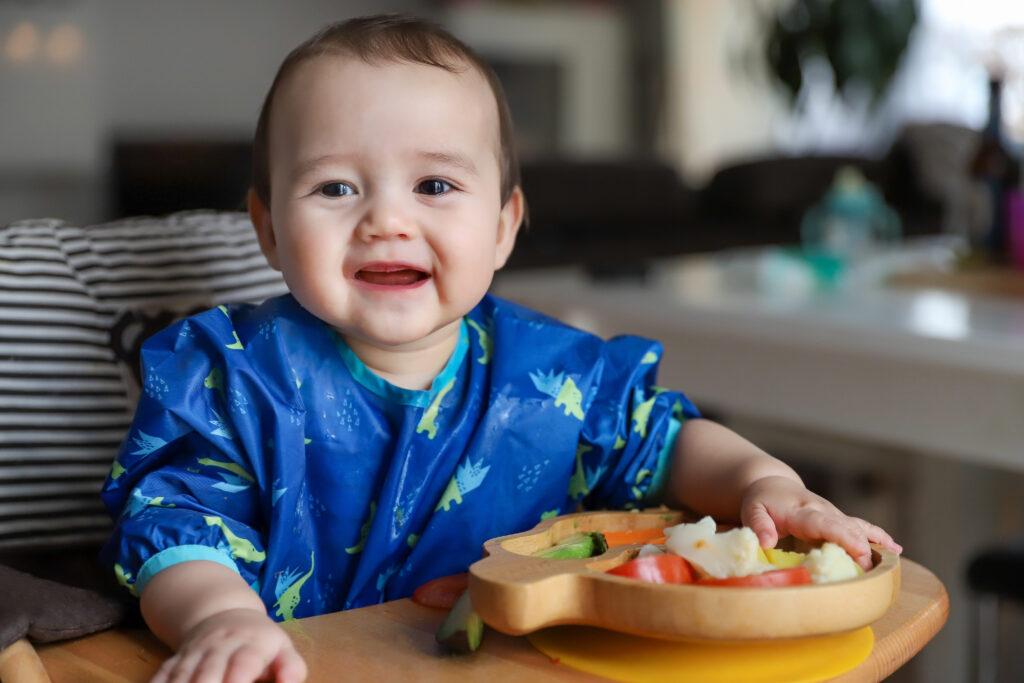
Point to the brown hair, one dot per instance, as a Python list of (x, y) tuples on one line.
[(396, 38)]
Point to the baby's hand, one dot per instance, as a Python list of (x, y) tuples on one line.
[(234, 646), (777, 506)]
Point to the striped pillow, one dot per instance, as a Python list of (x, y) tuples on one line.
[(75, 304)]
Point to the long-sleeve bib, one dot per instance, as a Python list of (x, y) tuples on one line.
[(262, 442)]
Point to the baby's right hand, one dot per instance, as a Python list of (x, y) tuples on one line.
[(234, 646)]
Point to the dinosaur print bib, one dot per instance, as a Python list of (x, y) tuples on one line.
[(263, 443)]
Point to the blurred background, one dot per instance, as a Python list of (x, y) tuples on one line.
[(647, 128)]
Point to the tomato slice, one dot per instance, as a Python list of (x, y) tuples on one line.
[(617, 538), (441, 592), (794, 576), (667, 568)]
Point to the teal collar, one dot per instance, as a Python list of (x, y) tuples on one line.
[(413, 397)]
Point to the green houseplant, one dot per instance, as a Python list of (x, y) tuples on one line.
[(862, 41)]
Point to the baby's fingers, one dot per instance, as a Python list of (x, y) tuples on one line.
[(246, 665), (161, 675), (288, 667), (813, 525), (210, 669), (176, 666), (761, 523), (878, 535)]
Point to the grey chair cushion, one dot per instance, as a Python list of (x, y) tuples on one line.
[(75, 304), (45, 611)]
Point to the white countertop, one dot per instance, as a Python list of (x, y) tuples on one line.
[(749, 332)]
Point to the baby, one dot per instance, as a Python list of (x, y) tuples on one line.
[(339, 446)]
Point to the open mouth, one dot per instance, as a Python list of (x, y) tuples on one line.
[(391, 275)]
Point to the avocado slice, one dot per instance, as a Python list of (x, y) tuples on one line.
[(463, 629), (576, 547)]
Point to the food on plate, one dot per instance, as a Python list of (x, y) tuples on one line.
[(831, 563), (650, 549), (634, 536), (575, 547), (735, 558), (719, 555), (441, 592), (463, 629), (794, 576), (663, 568), (783, 559)]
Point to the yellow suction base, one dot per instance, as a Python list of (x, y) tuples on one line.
[(622, 657)]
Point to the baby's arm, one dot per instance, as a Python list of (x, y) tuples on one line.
[(218, 626), (717, 472)]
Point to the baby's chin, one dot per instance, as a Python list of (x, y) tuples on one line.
[(399, 337)]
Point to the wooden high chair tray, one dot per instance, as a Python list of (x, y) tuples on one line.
[(516, 593)]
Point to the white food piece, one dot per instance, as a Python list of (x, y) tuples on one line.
[(650, 549), (831, 563), (731, 553)]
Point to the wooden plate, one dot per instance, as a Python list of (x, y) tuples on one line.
[(517, 593)]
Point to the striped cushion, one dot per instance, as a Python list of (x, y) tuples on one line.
[(75, 304)]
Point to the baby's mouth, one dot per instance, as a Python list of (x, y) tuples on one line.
[(391, 275)]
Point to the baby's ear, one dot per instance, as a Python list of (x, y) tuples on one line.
[(260, 216), (509, 220)]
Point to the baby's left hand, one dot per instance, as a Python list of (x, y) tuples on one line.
[(778, 506)]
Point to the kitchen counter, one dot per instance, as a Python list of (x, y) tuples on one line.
[(749, 334)]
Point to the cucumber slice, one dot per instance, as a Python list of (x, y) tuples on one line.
[(462, 630), (576, 547)]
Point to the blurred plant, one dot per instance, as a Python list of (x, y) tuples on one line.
[(862, 41)]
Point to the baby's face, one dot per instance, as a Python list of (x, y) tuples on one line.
[(386, 216)]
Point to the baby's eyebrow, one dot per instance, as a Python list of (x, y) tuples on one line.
[(450, 159), (311, 165)]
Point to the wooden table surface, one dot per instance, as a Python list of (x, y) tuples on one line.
[(395, 641)]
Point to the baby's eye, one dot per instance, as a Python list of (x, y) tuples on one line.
[(336, 189), (434, 186)]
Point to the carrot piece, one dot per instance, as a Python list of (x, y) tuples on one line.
[(619, 538)]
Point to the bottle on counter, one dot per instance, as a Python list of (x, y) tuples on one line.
[(996, 172), (1015, 224)]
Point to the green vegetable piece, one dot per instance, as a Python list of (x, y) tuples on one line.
[(576, 547), (463, 629)]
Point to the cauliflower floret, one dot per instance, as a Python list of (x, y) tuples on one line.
[(732, 553), (831, 563), (649, 549)]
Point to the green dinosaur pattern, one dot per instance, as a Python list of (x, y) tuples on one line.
[(241, 548), (412, 539), (215, 380), (116, 470), (578, 482), (649, 358), (468, 477), (640, 476), (548, 514), (486, 342), (364, 531), (641, 414), (125, 579), (232, 467), (451, 495), (570, 397), (619, 443), (428, 423), (237, 344), (290, 597)]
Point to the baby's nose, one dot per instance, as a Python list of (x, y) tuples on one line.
[(383, 222)]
